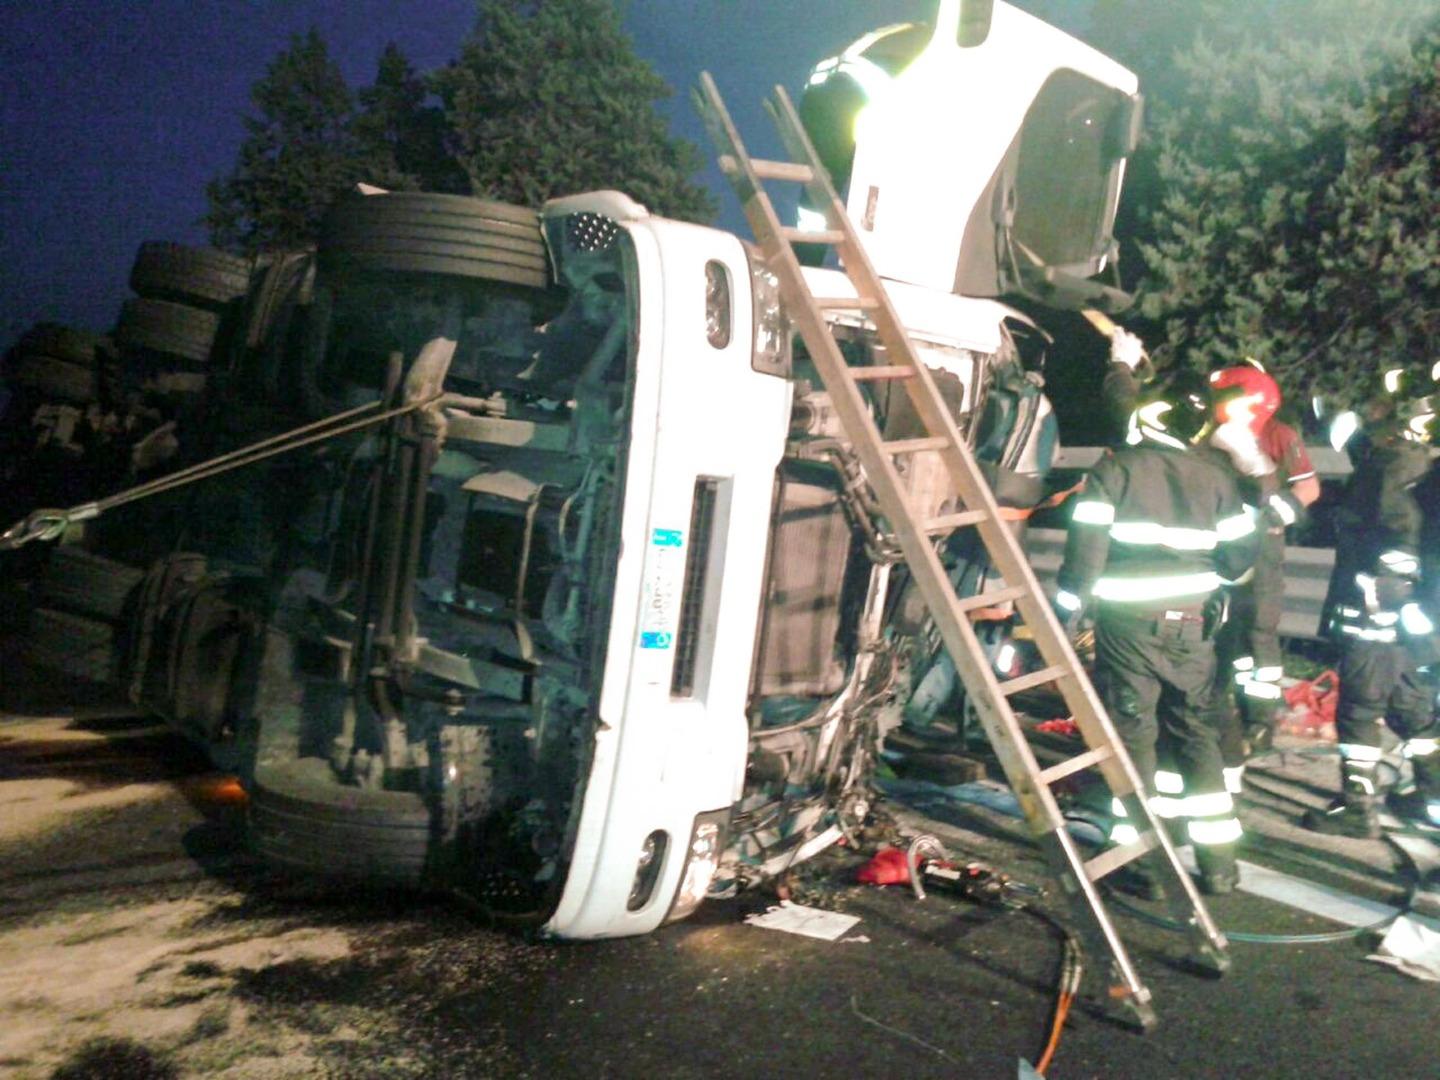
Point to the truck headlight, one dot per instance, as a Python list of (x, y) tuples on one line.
[(771, 354), (702, 859), (717, 304), (647, 869)]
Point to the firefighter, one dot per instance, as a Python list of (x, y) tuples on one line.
[(1381, 613), (1272, 454), (1159, 529), (1120, 390)]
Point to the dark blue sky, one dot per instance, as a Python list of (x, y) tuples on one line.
[(114, 113)]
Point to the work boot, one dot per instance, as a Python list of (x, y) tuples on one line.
[(1353, 815), (1219, 872), (1413, 808)]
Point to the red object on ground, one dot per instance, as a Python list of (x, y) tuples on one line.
[(886, 868), (1311, 703), (1065, 726)]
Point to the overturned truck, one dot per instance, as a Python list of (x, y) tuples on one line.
[(554, 579)]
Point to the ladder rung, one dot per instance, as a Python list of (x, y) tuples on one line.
[(770, 170), (910, 446), (1110, 860), (846, 303), (956, 521), (806, 236), (1035, 678), (1075, 764), (993, 598), (883, 371)]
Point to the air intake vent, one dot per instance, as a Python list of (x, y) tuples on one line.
[(692, 600)]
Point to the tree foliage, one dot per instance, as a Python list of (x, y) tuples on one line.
[(299, 150), (1285, 203), (402, 130), (549, 98)]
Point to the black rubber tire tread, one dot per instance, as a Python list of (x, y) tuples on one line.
[(83, 583), (59, 342), (72, 645), (205, 277), (55, 379), (405, 204), (302, 818), (418, 232), (162, 326)]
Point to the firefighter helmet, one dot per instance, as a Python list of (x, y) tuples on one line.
[(1417, 419), (1406, 384), (1244, 393), (1177, 415)]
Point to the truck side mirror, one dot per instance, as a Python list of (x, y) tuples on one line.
[(1126, 124)]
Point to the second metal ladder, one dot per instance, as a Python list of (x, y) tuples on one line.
[(1078, 876)]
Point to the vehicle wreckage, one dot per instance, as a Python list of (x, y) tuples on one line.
[(522, 552)]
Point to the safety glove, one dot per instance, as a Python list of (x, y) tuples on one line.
[(1126, 348)]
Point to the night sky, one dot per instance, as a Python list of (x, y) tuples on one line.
[(113, 115)]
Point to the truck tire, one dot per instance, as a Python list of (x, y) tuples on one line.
[(419, 232), (173, 330), (303, 819), (203, 277), (55, 380), (56, 363), (82, 583), (60, 342), (72, 645)]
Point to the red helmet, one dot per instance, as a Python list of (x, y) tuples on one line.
[(1244, 392)]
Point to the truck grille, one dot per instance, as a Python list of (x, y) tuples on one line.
[(692, 600)]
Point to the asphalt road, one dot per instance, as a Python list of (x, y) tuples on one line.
[(139, 939)]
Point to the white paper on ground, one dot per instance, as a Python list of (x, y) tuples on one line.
[(1411, 947), (806, 921)]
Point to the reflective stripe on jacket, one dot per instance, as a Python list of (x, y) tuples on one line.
[(1158, 524)]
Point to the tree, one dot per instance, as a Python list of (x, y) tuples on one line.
[(399, 125), (298, 153), (1289, 186), (549, 98)]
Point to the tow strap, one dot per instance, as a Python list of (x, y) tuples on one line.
[(49, 524)]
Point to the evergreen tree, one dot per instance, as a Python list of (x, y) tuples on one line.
[(299, 152), (402, 131), (549, 98), (1285, 200)]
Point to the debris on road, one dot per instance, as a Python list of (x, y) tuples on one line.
[(1411, 948), (805, 921), (886, 868)]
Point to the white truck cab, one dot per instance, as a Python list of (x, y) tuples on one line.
[(594, 618)]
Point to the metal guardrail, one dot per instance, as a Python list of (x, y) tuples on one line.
[(1307, 575), (1329, 464)]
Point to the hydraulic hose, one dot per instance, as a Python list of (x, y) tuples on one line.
[(1325, 938), (1322, 938)]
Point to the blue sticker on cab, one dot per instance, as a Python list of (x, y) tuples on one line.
[(660, 603)]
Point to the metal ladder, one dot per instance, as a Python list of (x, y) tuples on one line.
[(1077, 875)]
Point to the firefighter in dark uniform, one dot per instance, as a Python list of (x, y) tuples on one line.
[(1280, 483), (1381, 611), (1158, 531)]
